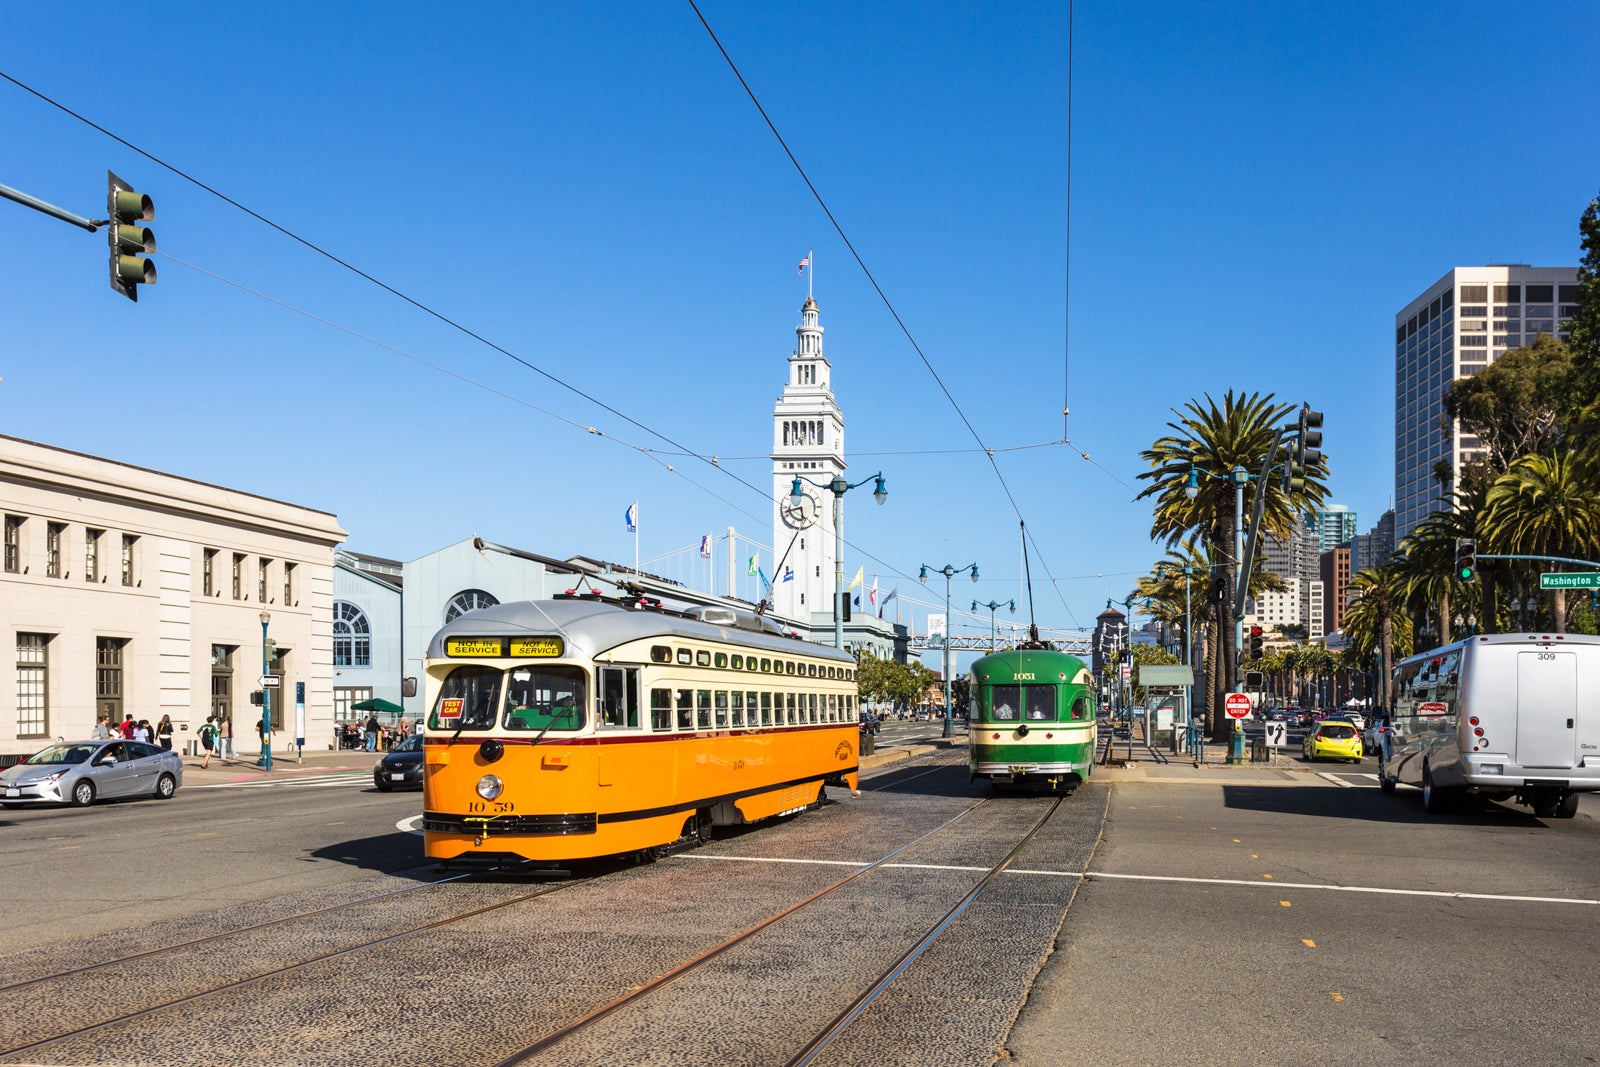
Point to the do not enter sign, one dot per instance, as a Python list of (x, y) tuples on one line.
[(1237, 706)]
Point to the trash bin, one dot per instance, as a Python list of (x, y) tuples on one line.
[(1259, 752), (869, 743)]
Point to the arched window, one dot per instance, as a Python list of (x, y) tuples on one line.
[(352, 636), (467, 600)]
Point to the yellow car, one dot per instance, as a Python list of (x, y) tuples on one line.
[(1335, 739)]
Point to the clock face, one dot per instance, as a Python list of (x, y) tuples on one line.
[(802, 515)]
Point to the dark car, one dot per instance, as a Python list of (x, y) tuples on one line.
[(401, 767), (870, 723)]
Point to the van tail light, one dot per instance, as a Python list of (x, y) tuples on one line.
[(1473, 722)]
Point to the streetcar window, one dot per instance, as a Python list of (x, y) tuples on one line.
[(788, 668), (833, 707), (722, 659), (1039, 702), (789, 709), (766, 709), (661, 710), (722, 709), (545, 698), (738, 662), (686, 709), (685, 656), (1005, 703), (811, 706), (751, 664), (468, 699), (702, 703), (660, 654), (766, 665), (702, 658), (738, 708), (619, 697), (1080, 707)]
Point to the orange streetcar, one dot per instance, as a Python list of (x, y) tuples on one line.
[(587, 726)]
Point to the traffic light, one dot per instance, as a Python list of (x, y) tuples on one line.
[(256, 696), (1466, 559), (1307, 449), (844, 606), (1255, 642), (126, 209)]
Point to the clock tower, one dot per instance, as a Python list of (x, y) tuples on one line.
[(807, 441)]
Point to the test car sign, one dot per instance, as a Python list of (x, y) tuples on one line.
[(1237, 706)]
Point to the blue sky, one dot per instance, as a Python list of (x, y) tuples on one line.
[(1256, 190)]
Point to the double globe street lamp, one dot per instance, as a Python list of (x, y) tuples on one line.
[(949, 572), (992, 605), (838, 487)]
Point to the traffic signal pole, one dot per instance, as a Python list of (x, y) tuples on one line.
[(127, 210), (20, 197)]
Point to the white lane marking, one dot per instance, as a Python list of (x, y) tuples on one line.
[(412, 825), (1346, 888), (1091, 875), (1335, 779)]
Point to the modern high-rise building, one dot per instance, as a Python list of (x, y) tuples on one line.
[(1373, 548), (1335, 581), (1455, 328), (1335, 524)]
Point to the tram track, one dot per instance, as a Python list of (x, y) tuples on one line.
[(20, 1041), (817, 1042)]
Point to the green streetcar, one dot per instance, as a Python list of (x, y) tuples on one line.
[(1032, 721)]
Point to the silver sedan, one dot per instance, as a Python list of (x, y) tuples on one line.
[(80, 772)]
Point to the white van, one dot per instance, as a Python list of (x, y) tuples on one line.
[(1498, 716)]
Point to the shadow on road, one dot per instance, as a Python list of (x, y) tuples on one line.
[(1370, 805)]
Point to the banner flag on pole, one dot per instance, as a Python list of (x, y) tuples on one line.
[(860, 577), (872, 594), (705, 546), (804, 263), (890, 596), (788, 574), (752, 568), (631, 517)]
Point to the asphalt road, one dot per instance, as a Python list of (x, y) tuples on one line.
[(1308, 920)]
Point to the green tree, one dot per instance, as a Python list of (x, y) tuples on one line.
[(1212, 440), (1545, 505), (1585, 335), (1519, 404), (1376, 623)]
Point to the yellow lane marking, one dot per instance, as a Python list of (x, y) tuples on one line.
[(206, 833), (1266, 876), (1308, 943), (1237, 841), (67, 848), (1284, 904), (1255, 855), (1334, 995)]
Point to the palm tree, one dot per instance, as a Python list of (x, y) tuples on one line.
[(1376, 621), (1545, 505), (1208, 444), (1432, 583)]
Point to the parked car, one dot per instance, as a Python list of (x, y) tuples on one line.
[(1372, 736), (1358, 720), (402, 766), (81, 772), (1333, 739)]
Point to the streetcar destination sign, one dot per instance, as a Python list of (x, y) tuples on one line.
[(1569, 580), (496, 647)]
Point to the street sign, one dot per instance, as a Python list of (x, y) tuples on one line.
[(1569, 580), (270, 681), (1237, 706), (1277, 734)]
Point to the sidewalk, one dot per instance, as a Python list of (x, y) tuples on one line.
[(1283, 769), (244, 768)]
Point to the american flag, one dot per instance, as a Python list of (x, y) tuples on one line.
[(804, 263)]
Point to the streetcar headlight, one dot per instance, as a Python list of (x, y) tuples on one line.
[(489, 786)]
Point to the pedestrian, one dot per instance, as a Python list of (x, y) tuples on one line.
[(127, 728), (372, 732), (164, 733), (101, 731), (225, 749), (208, 739), (143, 732)]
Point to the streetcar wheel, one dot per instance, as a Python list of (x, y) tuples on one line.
[(699, 826), (166, 785), (822, 797), (83, 793)]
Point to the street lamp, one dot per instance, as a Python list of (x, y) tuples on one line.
[(266, 697), (992, 605), (949, 572), (838, 487)]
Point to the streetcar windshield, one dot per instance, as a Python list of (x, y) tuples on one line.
[(544, 698), (1036, 703), (468, 699)]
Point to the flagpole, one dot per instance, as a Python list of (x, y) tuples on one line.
[(811, 263), (636, 539)]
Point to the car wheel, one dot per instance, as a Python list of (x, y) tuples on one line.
[(83, 793), (1434, 799), (1385, 783), (1568, 806), (166, 785), (383, 786), (1545, 803)]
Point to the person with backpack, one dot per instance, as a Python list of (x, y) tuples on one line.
[(208, 739)]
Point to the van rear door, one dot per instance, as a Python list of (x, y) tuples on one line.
[(1547, 709)]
